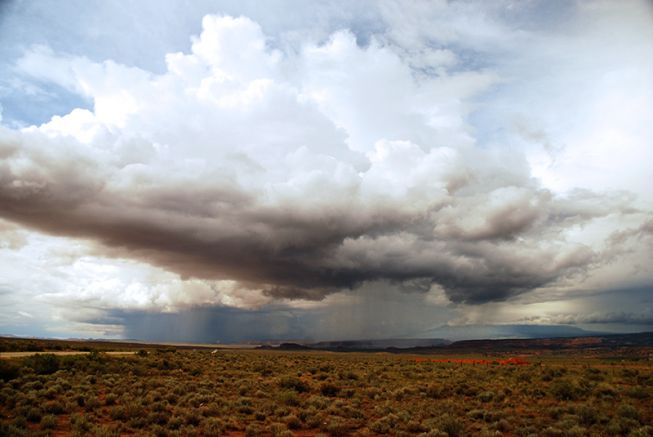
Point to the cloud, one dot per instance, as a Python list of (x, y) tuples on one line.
[(11, 236), (299, 174), (621, 317), (373, 311)]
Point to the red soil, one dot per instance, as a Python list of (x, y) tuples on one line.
[(513, 361)]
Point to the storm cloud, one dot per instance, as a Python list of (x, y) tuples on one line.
[(252, 182)]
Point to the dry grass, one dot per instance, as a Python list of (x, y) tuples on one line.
[(167, 392)]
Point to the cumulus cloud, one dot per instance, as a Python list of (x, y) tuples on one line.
[(252, 171)]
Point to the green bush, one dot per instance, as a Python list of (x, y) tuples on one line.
[(213, 427), (644, 431), (34, 414), (385, 425), (638, 392), (110, 399), (80, 424), (337, 427), (588, 415), (289, 398), (11, 431), (49, 422), (292, 422), (437, 392), (604, 390), (54, 407), (294, 383), (451, 425), (486, 396), (8, 370), (43, 364), (328, 389), (628, 411), (565, 390)]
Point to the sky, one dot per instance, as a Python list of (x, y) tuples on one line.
[(227, 171)]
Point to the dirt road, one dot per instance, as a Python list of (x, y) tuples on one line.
[(7, 355)]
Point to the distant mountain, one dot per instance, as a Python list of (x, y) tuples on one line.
[(370, 345), (481, 332), (562, 339), (293, 347), (597, 342), (440, 346)]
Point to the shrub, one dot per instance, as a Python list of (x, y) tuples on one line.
[(20, 422), (337, 427), (294, 383), (645, 431), (293, 422), (80, 424), (576, 431), (628, 411), (49, 422), (621, 426), (43, 364), (118, 413), (437, 392), (503, 425), (588, 415), (594, 374), (486, 396), (157, 417), (8, 370), (552, 431), (92, 403), (289, 398), (252, 430), (451, 425), (564, 390), (638, 392), (34, 414), (213, 427), (385, 425), (434, 433), (192, 419), (328, 389), (110, 399), (277, 429), (604, 390), (414, 427), (350, 376), (175, 422), (245, 409), (80, 399), (477, 414), (53, 407), (629, 373), (11, 431)]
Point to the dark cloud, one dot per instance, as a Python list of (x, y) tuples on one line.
[(643, 317), (480, 244), (206, 325), (374, 311)]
